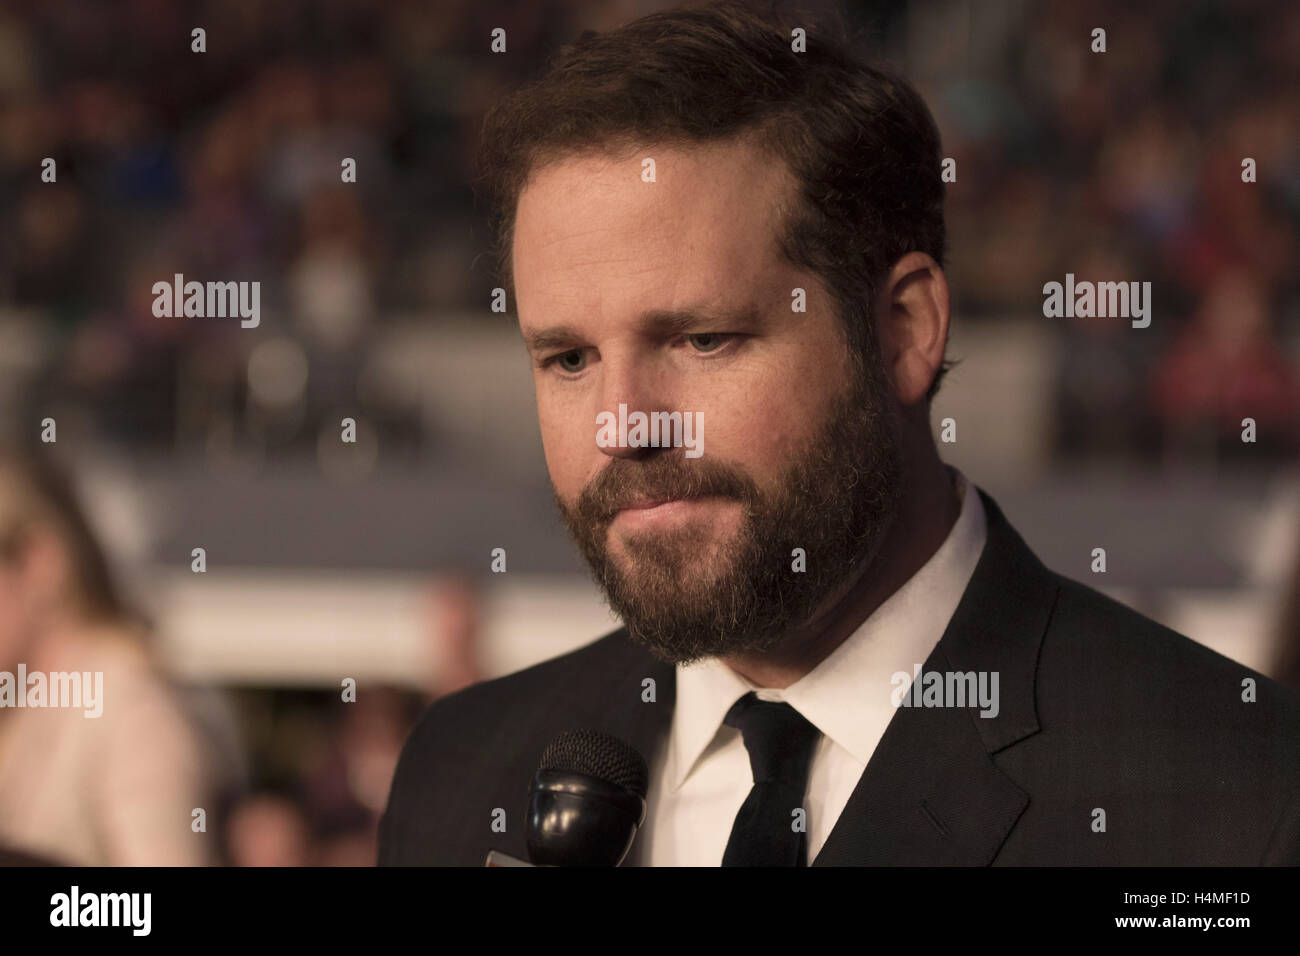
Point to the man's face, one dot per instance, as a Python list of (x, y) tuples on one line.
[(671, 296)]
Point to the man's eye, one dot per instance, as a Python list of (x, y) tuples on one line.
[(707, 341), (573, 360)]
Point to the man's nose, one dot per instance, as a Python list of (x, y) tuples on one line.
[(629, 386)]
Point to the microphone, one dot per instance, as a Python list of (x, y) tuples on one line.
[(585, 803)]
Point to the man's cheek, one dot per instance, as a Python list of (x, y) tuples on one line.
[(563, 443), (566, 425), (558, 463), (760, 441)]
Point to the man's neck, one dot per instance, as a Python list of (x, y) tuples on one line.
[(918, 530)]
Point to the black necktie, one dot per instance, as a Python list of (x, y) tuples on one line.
[(780, 744)]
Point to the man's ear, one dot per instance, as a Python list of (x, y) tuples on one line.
[(912, 320)]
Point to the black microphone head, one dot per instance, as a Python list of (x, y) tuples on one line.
[(598, 755), (586, 801)]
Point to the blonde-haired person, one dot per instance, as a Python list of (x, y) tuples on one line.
[(114, 789)]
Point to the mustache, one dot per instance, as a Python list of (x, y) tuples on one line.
[(667, 476)]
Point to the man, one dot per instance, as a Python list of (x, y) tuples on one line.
[(697, 218)]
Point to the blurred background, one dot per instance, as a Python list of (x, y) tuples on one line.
[(372, 561)]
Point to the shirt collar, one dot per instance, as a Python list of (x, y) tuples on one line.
[(848, 695)]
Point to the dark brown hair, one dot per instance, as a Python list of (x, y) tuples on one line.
[(860, 141)]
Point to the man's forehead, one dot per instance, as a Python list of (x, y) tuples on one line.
[(741, 160), (649, 188), (591, 229)]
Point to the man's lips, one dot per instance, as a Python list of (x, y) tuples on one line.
[(641, 510), (646, 502), (640, 504)]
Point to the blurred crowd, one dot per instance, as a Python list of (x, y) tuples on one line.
[(159, 773), (1128, 165), (226, 165), (1123, 166)]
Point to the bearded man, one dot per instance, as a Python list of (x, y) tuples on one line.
[(695, 216)]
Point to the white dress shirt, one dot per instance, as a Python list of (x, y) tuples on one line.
[(701, 775)]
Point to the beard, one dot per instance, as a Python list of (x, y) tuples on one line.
[(685, 595)]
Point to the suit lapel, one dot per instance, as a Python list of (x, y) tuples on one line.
[(932, 793), (623, 711)]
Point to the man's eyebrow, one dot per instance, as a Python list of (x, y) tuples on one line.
[(552, 337), (679, 321), (655, 322)]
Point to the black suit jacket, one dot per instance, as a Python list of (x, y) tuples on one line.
[(1100, 708)]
